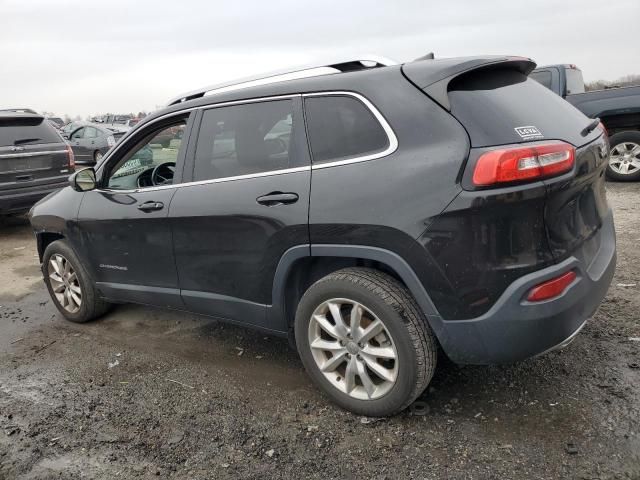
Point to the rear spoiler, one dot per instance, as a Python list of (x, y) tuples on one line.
[(433, 76)]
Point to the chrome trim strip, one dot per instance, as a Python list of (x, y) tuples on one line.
[(30, 154), (214, 180), (393, 142), (563, 343)]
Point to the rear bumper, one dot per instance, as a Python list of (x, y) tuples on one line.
[(515, 329), (22, 199)]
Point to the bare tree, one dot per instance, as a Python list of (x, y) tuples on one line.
[(626, 81)]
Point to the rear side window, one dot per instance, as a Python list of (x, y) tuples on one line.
[(575, 82), (543, 77), (244, 139), (499, 107), (26, 131), (342, 127)]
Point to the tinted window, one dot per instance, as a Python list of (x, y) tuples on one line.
[(543, 77), (244, 139), (26, 131), (342, 127), (492, 104)]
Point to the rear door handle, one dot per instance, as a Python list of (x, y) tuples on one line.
[(277, 198), (151, 206), (23, 178)]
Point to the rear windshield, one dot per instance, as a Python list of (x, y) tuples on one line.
[(499, 107), (26, 131)]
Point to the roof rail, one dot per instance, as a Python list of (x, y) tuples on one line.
[(19, 110), (347, 65)]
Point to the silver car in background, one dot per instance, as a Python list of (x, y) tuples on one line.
[(91, 141)]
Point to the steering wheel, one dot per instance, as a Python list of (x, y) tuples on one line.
[(163, 173)]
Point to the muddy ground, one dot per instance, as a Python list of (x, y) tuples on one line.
[(145, 393)]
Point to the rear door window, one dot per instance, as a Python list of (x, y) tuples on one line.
[(26, 131), (341, 127), (244, 139), (90, 132)]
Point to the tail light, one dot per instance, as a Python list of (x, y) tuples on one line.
[(551, 288), (604, 129), (72, 159), (111, 141), (519, 163)]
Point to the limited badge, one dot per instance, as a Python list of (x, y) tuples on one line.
[(529, 133)]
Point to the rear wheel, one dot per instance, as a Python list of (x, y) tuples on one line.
[(71, 288), (364, 341), (624, 159)]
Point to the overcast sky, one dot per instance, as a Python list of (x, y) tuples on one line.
[(80, 57)]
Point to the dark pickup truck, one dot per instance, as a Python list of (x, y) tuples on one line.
[(617, 108)]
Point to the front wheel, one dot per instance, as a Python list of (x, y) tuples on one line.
[(624, 159), (365, 342), (70, 286)]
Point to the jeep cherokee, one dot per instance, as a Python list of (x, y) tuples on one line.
[(372, 212)]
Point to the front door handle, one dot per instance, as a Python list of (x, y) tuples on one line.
[(277, 198), (151, 206)]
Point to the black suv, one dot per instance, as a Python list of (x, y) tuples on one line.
[(34, 160), (370, 212)]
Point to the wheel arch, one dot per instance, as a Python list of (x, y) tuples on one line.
[(44, 239), (301, 266)]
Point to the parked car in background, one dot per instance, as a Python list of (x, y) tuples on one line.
[(91, 141), (120, 120), (466, 210), (617, 108), (57, 122), (34, 160)]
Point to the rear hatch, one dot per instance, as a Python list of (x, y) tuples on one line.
[(32, 152), (498, 104), (505, 107), (516, 226)]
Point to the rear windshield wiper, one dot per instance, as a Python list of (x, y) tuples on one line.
[(590, 128), (25, 140)]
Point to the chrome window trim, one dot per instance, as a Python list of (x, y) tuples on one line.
[(392, 147), (31, 154), (206, 182), (391, 136)]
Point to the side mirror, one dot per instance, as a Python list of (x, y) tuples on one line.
[(83, 180)]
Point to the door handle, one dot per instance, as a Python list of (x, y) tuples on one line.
[(277, 198), (151, 206), (23, 178)]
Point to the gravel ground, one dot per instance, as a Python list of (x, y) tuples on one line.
[(145, 393)]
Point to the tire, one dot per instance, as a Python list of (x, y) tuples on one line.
[(625, 156), (97, 156), (90, 305), (406, 333)]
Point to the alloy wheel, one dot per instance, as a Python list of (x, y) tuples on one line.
[(353, 349), (625, 158), (64, 283)]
